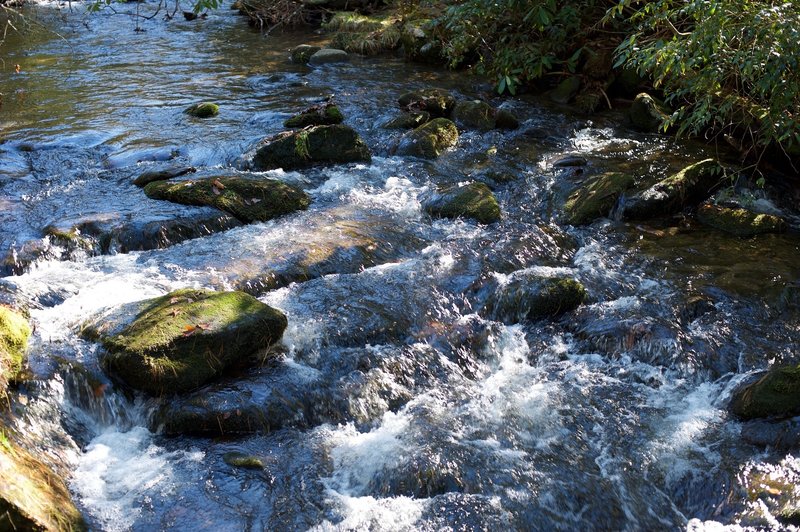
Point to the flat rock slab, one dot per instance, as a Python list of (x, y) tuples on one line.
[(177, 342)]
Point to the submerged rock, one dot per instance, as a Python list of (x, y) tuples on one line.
[(162, 175), (775, 394), (14, 334), (474, 201), (688, 187), (533, 297), (203, 110), (248, 200), (596, 197), (319, 115), (408, 120), (177, 342), (646, 113), (302, 53), (438, 102), (429, 140), (740, 222), (319, 145), (327, 56)]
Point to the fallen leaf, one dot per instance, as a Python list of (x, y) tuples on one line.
[(100, 390), (204, 326), (189, 330), (174, 300), (217, 183), (17, 69)]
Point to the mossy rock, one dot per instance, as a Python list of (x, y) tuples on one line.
[(437, 102), (687, 188), (408, 120), (647, 114), (203, 110), (534, 297), (740, 222), (248, 200), (301, 54), (430, 139), (474, 114), (474, 201), (319, 115), (566, 90), (320, 145), (596, 197), (162, 175), (775, 394), (504, 119), (420, 45), (14, 334), (180, 341), (242, 460), (32, 496)]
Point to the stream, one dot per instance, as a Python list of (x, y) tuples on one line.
[(394, 403)]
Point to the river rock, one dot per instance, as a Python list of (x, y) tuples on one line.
[(32, 496), (596, 197), (782, 435), (242, 460), (438, 102), (688, 187), (203, 110), (475, 201), (319, 115), (533, 297), (647, 114), (505, 119), (249, 200), (566, 90), (14, 334), (429, 140), (775, 393), (177, 342), (162, 175), (327, 56), (740, 222), (408, 120), (474, 114), (301, 54), (319, 145)]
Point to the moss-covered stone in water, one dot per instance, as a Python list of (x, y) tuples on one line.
[(430, 140), (32, 496), (203, 110), (775, 394), (14, 334), (319, 145), (162, 175), (688, 187), (471, 201), (596, 197), (474, 115), (438, 102), (249, 200), (182, 340), (318, 115), (245, 461), (408, 120), (533, 297), (566, 90), (556, 297), (740, 222), (646, 113), (301, 54)]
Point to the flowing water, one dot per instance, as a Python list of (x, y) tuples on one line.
[(396, 401)]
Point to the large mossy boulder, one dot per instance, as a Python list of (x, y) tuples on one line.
[(533, 297), (596, 197), (319, 145), (14, 334), (248, 200), (32, 496), (180, 341), (740, 222), (687, 188), (775, 394), (474, 114), (437, 102), (319, 115), (430, 139), (647, 114), (474, 201)]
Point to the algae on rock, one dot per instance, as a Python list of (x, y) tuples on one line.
[(533, 297), (596, 197), (470, 201), (429, 140), (438, 102), (775, 394), (315, 146), (203, 110), (740, 222), (14, 333), (319, 115)]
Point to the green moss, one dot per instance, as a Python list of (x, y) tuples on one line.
[(14, 334), (322, 145), (557, 296), (430, 139), (248, 200), (438, 102), (203, 110), (182, 340), (246, 461), (740, 222), (408, 120), (776, 394), (646, 113), (301, 54), (596, 197), (474, 115), (315, 116), (471, 201), (350, 21)]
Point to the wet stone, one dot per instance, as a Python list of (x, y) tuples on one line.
[(316, 146), (162, 175), (474, 201)]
